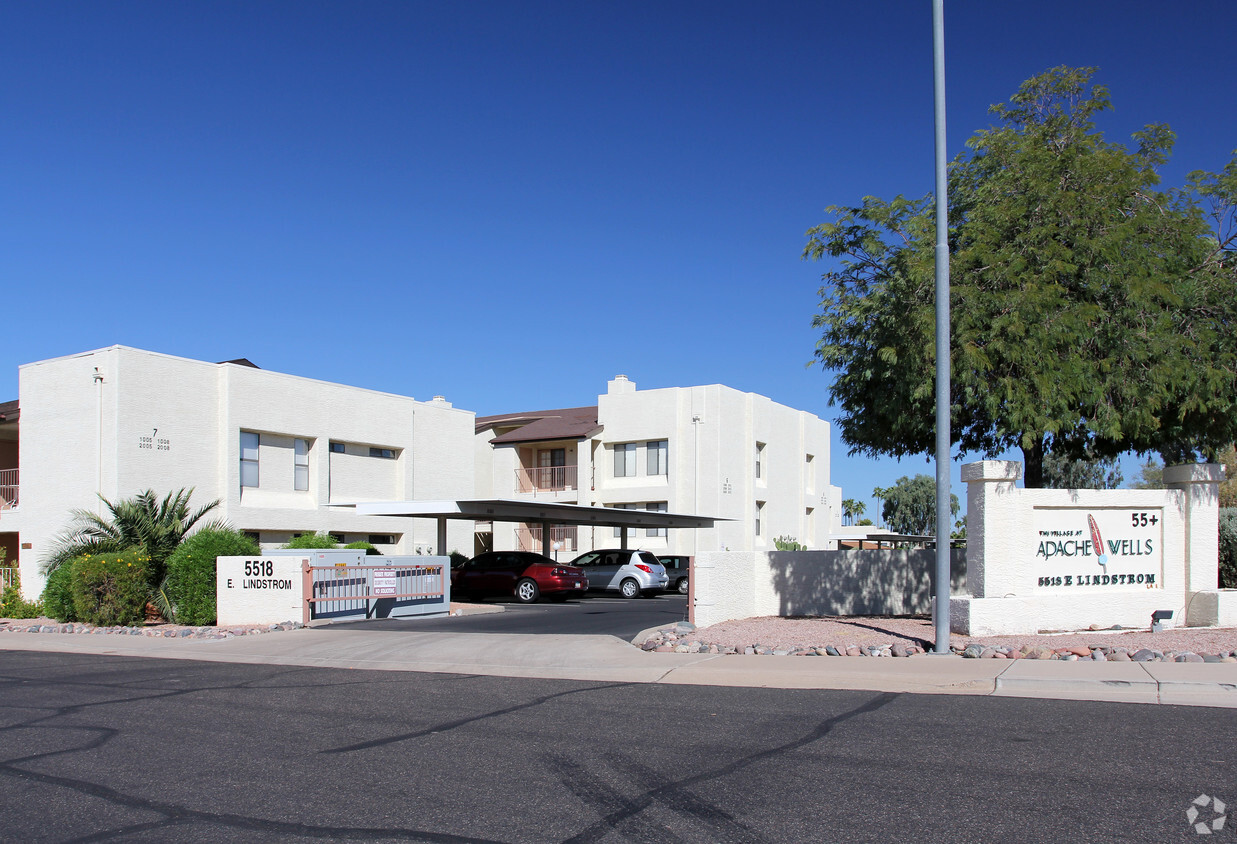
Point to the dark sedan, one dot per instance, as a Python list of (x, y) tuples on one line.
[(520, 574)]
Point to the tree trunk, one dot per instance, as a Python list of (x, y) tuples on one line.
[(1033, 465)]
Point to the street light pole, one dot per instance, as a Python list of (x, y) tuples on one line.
[(943, 514)]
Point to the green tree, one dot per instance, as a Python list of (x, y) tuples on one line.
[(143, 522), (910, 506), (1091, 312), (1087, 473), (852, 507), (1150, 476)]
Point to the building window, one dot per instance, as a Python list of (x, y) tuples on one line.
[(810, 472), (339, 537), (384, 453), (657, 457), (249, 459), (381, 539), (337, 448), (300, 468), (655, 507), (760, 459), (760, 511), (625, 460), (618, 531), (253, 534)]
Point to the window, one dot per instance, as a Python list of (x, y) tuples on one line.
[(810, 472), (657, 457), (249, 459), (339, 537), (625, 460), (760, 509), (381, 539), (618, 531), (252, 534), (337, 448), (760, 456), (300, 468), (384, 453), (655, 507)]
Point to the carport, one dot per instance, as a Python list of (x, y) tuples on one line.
[(546, 514)]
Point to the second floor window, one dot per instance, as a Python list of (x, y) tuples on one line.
[(625, 460), (657, 456), (300, 468), (760, 460), (249, 459)]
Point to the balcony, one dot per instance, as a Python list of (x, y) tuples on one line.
[(545, 479), (8, 489), (562, 539)]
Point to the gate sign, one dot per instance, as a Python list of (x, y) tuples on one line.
[(1098, 549), (384, 582)]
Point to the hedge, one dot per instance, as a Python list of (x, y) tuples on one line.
[(111, 589)]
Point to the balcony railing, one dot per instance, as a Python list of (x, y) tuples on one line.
[(8, 489), (562, 538), (545, 478)]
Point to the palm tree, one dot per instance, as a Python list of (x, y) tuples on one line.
[(142, 521), (852, 507)]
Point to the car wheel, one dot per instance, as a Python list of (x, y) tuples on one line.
[(682, 585), (629, 589), (526, 591)]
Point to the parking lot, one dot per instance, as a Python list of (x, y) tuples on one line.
[(597, 615)]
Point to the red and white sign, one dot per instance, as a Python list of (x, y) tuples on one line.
[(384, 582)]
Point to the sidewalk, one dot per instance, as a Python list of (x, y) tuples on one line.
[(608, 659)]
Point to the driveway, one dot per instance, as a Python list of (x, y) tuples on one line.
[(595, 615)]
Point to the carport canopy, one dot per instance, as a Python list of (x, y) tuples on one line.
[(531, 512)]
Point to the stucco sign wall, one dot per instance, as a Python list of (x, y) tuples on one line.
[(1043, 560), (1090, 548)]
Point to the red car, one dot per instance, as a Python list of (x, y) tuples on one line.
[(521, 574)]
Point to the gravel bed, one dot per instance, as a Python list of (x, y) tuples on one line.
[(166, 631), (908, 636)]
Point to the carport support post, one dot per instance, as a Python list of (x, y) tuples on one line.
[(545, 540), (442, 536)]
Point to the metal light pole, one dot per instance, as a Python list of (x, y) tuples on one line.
[(943, 514)]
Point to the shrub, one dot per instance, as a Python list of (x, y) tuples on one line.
[(189, 590), (313, 540), (370, 550), (111, 589), (1228, 548), (58, 593), (12, 604), (787, 543)]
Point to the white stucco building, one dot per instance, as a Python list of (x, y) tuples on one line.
[(279, 451), (709, 450), (276, 449)]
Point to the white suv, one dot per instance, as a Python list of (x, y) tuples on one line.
[(630, 573)]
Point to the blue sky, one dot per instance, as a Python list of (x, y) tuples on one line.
[(509, 203)]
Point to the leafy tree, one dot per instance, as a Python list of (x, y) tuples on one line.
[(864, 523), (1150, 476), (1091, 312), (143, 522), (910, 506), (1087, 473), (1228, 489)]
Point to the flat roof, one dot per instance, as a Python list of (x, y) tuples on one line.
[(513, 510)]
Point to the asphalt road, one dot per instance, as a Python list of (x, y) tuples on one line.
[(598, 615), (98, 748)]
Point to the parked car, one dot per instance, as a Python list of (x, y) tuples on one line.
[(521, 574), (628, 572), (677, 568)]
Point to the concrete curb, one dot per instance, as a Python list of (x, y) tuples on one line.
[(609, 659)]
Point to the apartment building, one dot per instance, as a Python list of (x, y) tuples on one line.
[(277, 450), (709, 450)]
